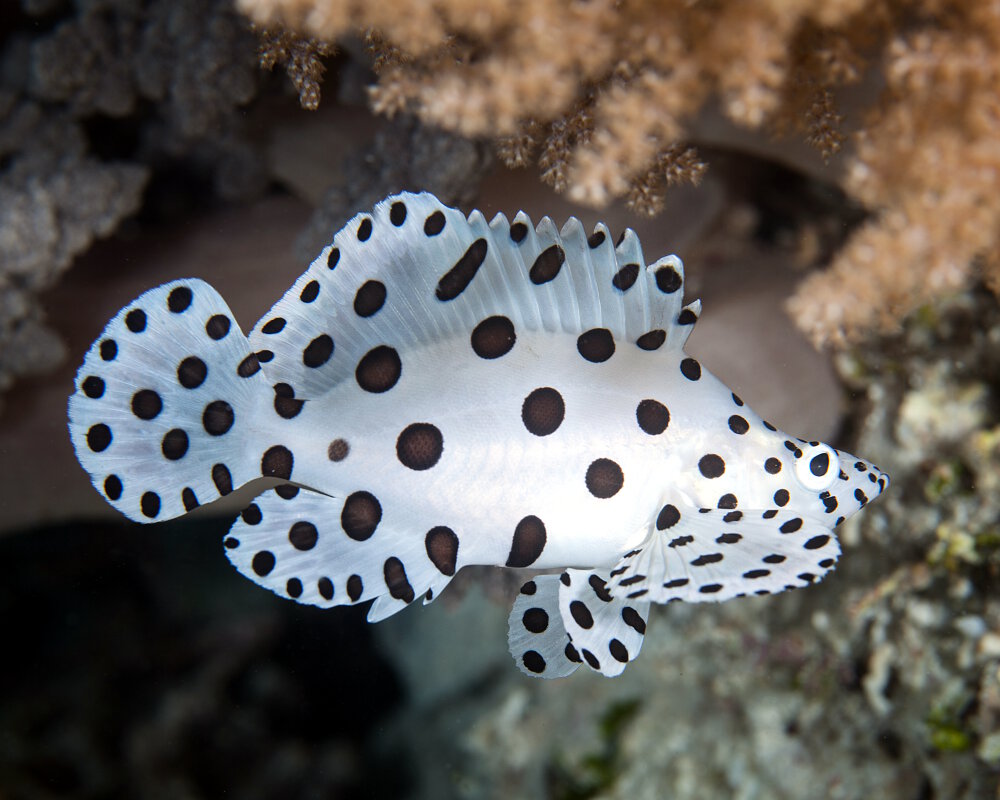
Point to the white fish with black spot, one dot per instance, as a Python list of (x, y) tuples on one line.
[(438, 391)]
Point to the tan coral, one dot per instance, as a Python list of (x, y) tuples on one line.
[(603, 94)]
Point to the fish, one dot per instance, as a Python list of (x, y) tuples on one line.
[(438, 391)]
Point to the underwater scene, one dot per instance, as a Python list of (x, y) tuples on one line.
[(652, 349)]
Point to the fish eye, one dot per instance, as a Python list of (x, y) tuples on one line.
[(818, 467)]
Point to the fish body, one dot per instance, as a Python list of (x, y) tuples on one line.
[(439, 391)]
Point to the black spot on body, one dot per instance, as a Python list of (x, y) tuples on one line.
[(533, 662), (355, 588), (738, 424), (379, 369), (535, 620), (681, 541), (756, 573), (457, 279), (294, 587), (365, 230), (218, 326), (791, 526), (618, 651), (634, 620), (325, 587), (396, 581), (710, 588), (332, 258), (285, 404), (626, 277), (318, 351), (493, 337), (547, 265), (691, 369), (175, 444), (113, 487), (781, 497), (189, 499), (772, 466), (652, 416), (441, 544), (687, 317), (706, 559), (191, 372), (262, 563), (711, 466), (728, 501), (419, 446), (93, 387), (860, 496), (222, 479), (135, 320), (369, 299), (146, 404), (251, 514), (309, 292), (595, 240), (517, 232), (338, 450), (273, 326), (591, 659), (149, 504), (218, 418), (528, 542), (434, 224), (668, 280), (830, 503), (277, 462), (397, 213), (543, 411), (668, 517), (728, 538), (303, 535), (248, 366), (109, 350), (816, 542), (360, 515), (179, 299), (529, 588), (652, 340), (676, 583), (99, 437), (581, 614), (600, 588), (596, 345), (604, 478), (774, 558), (733, 516)]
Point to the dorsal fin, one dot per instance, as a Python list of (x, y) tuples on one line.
[(414, 271)]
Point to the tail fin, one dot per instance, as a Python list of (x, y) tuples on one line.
[(164, 403)]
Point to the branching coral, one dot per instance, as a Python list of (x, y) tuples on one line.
[(603, 95), (301, 58)]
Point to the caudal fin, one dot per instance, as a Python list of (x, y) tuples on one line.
[(164, 404)]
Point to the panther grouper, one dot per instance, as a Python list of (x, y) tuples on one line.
[(437, 391)]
